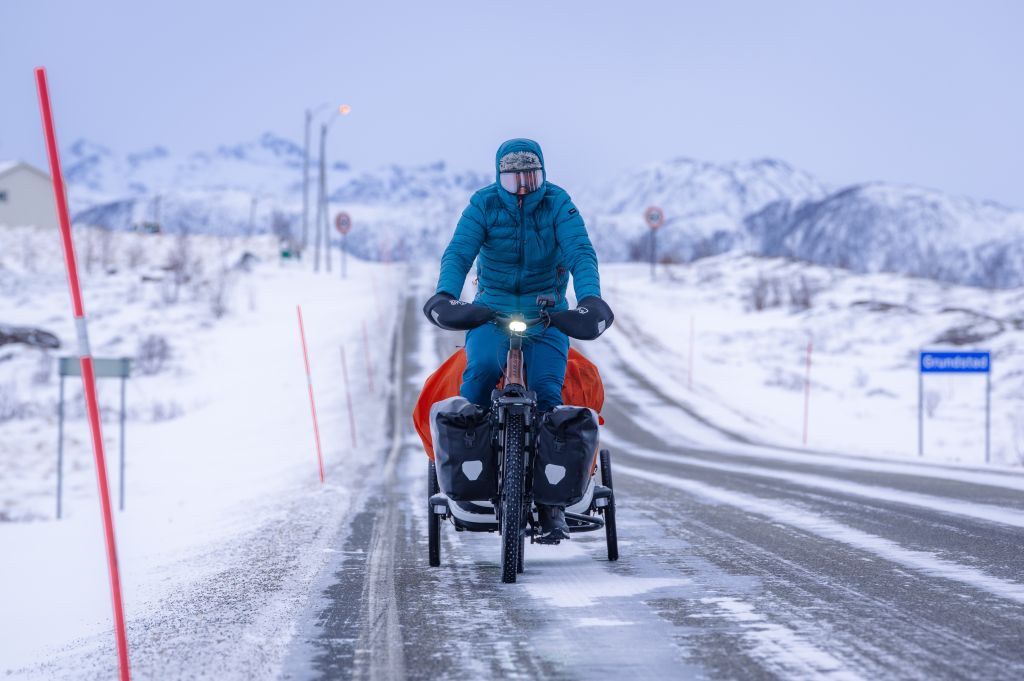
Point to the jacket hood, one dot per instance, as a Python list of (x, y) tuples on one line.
[(520, 144)]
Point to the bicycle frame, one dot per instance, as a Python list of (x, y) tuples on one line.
[(515, 398)]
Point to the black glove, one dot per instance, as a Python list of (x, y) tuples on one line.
[(455, 315), (589, 320)]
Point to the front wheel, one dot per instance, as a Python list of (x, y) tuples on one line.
[(513, 474), (610, 533), (433, 520)]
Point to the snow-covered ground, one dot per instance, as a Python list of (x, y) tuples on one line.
[(223, 496), (227, 525), (749, 364)]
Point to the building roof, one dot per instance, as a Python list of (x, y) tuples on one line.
[(8, 166)]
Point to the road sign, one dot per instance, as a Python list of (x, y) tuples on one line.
[(104, 368), (955, 363), (343, 223), (655, 217)]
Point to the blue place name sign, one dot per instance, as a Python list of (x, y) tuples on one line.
[(956, 362)]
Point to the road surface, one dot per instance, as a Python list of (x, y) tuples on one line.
[(737, 562)]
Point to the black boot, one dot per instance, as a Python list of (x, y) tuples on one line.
[(553, 527)]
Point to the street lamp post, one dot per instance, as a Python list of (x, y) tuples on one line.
[(305, 183), (310, 114), (323, 219), (323, 227)]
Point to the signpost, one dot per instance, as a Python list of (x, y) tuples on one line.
[(955, 363), (343, 223), (103, 368), (655, 218)]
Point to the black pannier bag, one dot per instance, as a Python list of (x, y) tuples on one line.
[(566, 446), (467, 465)]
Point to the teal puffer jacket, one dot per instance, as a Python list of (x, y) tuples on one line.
[(521, 252)]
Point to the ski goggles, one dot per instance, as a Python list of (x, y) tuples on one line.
[(521, 182)]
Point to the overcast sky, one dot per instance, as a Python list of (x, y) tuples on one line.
[(927, 93)]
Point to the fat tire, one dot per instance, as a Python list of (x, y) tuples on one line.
[(521, 563), (513, 474), (433, 520), (610, 532)]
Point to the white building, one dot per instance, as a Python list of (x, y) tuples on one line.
[(26, 196)]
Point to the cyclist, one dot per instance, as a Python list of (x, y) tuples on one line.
[(527, 237)]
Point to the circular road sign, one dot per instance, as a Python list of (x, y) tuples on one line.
[(343, 223), (655, 217)]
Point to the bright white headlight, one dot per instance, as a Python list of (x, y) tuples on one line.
[(516, 326)]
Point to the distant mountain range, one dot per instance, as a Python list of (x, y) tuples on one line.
[(762, 207)]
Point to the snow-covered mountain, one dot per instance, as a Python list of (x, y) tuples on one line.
[(761, 207), (890, 228), (704, 205), (397, 211), (269, 165)]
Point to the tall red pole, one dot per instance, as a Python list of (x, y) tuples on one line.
[(88, 375), (348, 397), (807, 391), (689, 372), (369, 363), (312, 402)]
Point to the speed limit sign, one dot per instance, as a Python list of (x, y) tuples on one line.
[(343, 223), (655, 217)]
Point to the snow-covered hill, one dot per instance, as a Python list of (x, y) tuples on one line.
[(761, 207)]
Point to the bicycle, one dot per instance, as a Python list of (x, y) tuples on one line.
[(510, 512)]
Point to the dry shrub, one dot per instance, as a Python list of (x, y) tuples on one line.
[(152, 354)]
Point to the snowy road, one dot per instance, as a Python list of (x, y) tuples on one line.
[(738, 562)]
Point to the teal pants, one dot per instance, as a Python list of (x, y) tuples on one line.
[(545, 354)]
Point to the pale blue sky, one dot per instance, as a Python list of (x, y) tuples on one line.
[(928, 93)]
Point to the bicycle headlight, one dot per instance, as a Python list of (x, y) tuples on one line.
[(517, 326)]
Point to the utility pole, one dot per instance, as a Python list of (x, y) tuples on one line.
[(305, 183), (252, 216)]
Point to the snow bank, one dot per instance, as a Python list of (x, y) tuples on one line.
[(226, 522)]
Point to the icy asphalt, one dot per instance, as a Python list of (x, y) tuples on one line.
[(735, 565)]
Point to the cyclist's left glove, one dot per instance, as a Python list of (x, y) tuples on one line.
[(590, 319), (444, 310)]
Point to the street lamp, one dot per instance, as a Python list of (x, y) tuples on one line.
[(322, 218)]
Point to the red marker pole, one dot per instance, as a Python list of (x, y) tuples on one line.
[(369, 364), (88, 375), (312, 402), (348, 397), (807, 391)]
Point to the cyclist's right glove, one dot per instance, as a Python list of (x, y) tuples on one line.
[(444, 310)]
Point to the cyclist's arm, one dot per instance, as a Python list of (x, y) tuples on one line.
[(461, 251), (580, 258)]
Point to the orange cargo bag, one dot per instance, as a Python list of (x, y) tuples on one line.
[(582, 388)]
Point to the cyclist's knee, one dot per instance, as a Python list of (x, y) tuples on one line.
[(549, 394)]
